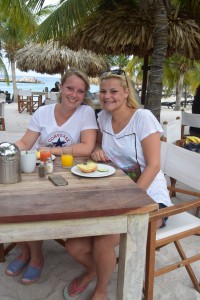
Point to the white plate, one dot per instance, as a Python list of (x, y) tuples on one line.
[(52, 157), (110, 171)]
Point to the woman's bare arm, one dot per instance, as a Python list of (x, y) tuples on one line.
[(98, 154), (151, 150), (85, 147), (28, 140)]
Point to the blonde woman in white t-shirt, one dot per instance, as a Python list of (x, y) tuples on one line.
[(67, 123), (130, 137)]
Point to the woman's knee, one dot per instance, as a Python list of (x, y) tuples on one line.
[(77, 245), (105, 242)]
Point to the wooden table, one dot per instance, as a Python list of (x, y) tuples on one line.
[(34, 209)]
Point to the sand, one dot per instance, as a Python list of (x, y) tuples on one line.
[(59, 267)]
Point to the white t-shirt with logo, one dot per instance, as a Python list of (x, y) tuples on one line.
[(53, 135), (125, 150)]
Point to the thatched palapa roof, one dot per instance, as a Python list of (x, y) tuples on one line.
[(126, 30), (50, 59)]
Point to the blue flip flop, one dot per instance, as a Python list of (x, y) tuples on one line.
[(32, 274), (16, 266)]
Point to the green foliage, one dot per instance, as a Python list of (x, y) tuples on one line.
[(176, 66), (120, 61), (62, 21), (18, 14)]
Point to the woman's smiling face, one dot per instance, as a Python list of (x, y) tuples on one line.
[(112, 95), (73, 91)]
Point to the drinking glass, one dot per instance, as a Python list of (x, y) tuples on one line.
[(67, 158), (28, 161), (45, 153)]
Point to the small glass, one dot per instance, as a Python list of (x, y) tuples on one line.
[(67, 158), (49, 165), (42, 170), (45, 153)]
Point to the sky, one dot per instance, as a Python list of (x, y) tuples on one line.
[(29, 73)]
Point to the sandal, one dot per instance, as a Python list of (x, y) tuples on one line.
[(74, 290), (16, 266), (32, 274)]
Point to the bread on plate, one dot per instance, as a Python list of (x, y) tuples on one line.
[(88, 167)]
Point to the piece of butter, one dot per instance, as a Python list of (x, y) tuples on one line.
[(102, 170)]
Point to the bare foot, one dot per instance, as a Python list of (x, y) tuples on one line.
[(99, 296), (79, 284), (37, 261), (24, 257)]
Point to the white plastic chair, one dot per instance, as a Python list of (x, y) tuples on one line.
[(184, 166)]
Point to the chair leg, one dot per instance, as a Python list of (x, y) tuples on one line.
[(5, 250), (197, 212), (2, 253), (2, 121), (188, 267), (182, 131), (61, 242), (150, 261), (8, 248), (173, 183)]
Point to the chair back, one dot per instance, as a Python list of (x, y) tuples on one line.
[(188, 119), (172, 130), (26, 93), (53, 96), (2, 109), (2, 98), (180, 163)]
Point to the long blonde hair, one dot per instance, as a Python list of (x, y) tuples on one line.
[(125, 83)]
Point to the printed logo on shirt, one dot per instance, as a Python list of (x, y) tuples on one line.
[(131, 168), (59, 139)]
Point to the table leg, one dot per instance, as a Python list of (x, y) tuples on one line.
[(132, 255)]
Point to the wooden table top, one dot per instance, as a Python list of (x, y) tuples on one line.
[(35, 199)]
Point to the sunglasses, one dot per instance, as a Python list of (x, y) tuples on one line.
[(116, 72)]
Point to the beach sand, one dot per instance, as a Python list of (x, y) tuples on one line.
[(60, 268)]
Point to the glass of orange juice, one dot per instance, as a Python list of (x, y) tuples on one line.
[(67, 158), (45, 152)]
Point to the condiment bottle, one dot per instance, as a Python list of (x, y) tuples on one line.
[(49, 165), (42, 170)]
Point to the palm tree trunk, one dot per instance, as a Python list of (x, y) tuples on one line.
[(179, 89), (145, 69), (160, 35), (14, 79)]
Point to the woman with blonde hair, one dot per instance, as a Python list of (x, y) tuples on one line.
[(57, 126), (130, 137)]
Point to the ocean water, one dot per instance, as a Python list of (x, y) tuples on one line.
[(48, 82)]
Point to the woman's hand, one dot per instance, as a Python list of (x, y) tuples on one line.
[(99, 155)]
